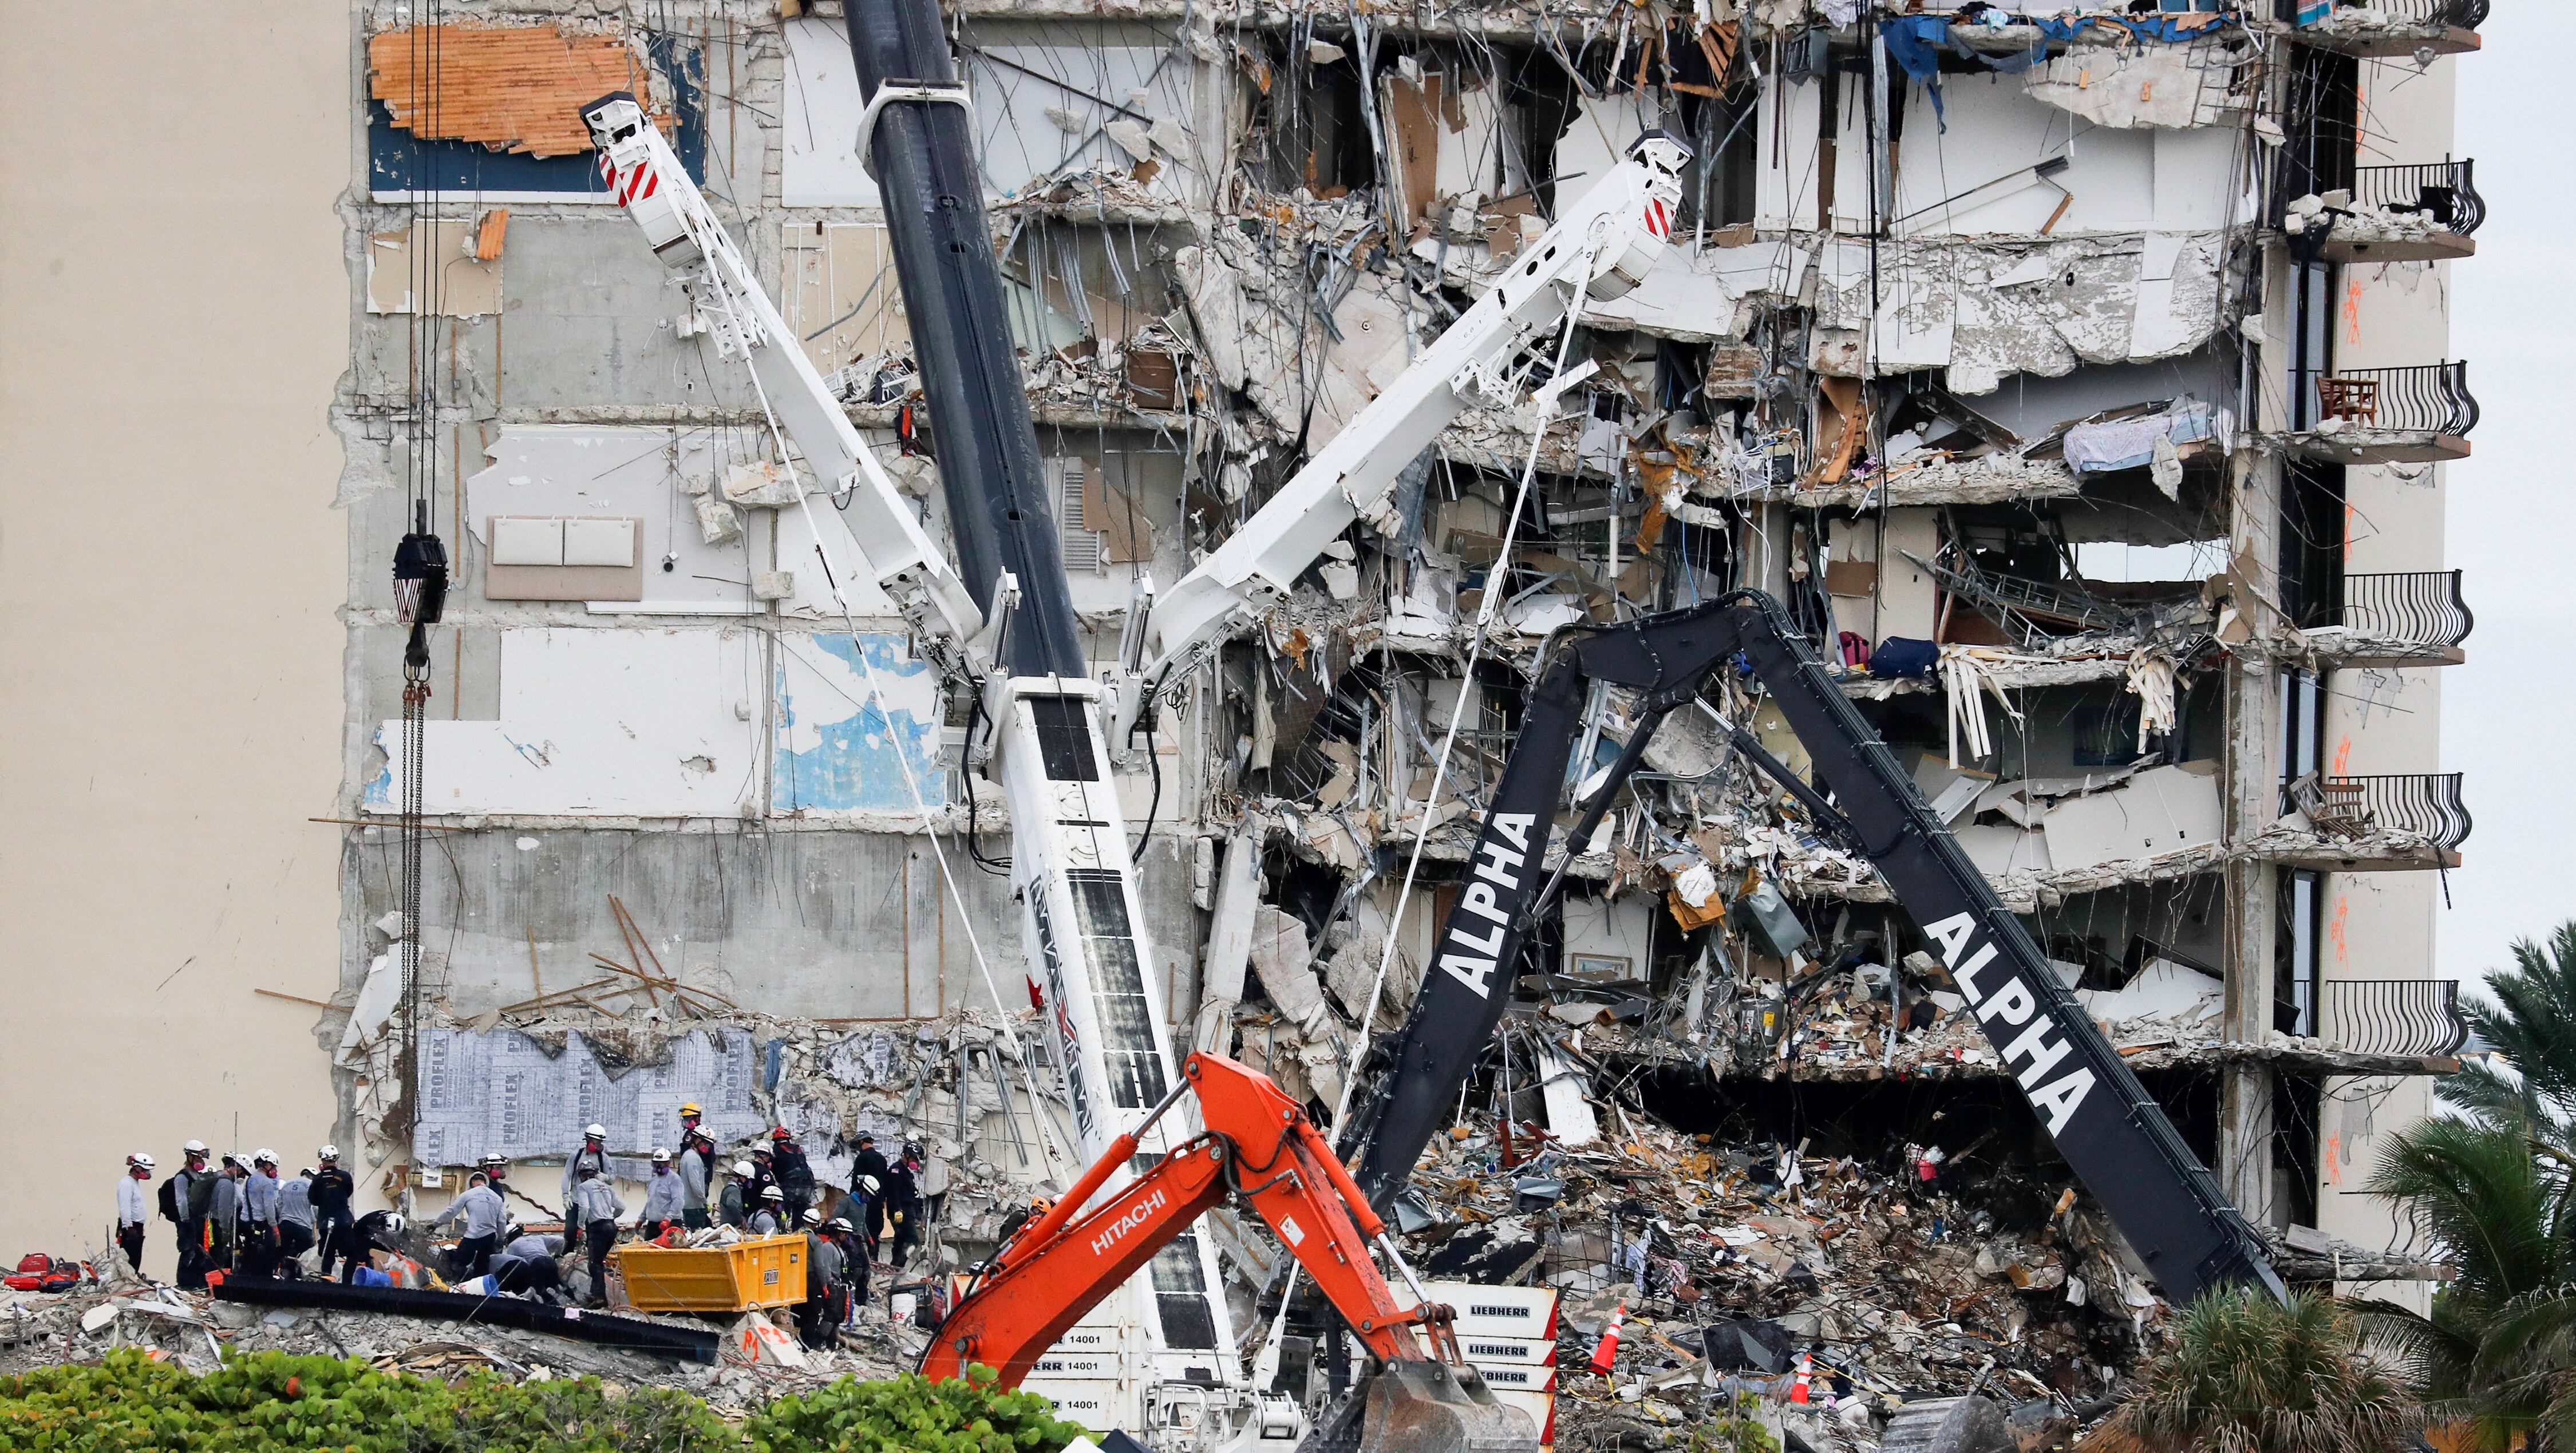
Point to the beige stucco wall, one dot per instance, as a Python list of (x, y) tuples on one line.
[(173, 317)]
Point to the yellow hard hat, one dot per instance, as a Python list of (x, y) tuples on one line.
[(691, 1108)]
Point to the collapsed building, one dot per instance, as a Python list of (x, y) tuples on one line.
[(2076, 378)]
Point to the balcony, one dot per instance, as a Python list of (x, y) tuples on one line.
[(2392, 1016), (2415, 415), (2420, 212), (2397, 618), (2386, 28), (2369, 824)]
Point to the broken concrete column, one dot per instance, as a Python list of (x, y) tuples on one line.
[(1229, 945), (1285, 965)]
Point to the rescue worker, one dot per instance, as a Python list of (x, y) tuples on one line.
[(593, 1153), (729, 1201), (763, 1176), (481, 1210), (1037, 1207), (133, 1208), (662, 1196), (257, 1237), (697, 1171), (903, 1203), (869, 1164), (225, 1218), (595, 1208), (795, 1175), (190, 1204), (361, 1239), (866, 1205), (332, 1188), (528, 1266), (853, 1291), (767, 1221), (822, 1281), (294, 1222)]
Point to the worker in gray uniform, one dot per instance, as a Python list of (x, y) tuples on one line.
[(225, 1218), (258, 1234), (594, 1206), (697, 1176), (593, 1153), (294, 1222), (481, 1210), (662, 1197)]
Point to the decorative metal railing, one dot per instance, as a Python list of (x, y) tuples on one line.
[(2425, 398), (2425, 804), (2420, 606), (2446, 189), (2393, 1016)]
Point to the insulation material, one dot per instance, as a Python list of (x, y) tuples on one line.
[(2161, 811), (841, 296), (838, 749), (652, 723), (818, 166), (503, 1092), (511, 88), (431, 266)]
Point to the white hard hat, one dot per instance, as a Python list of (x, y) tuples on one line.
[(328, 1152), (263, 1156), (194, 1147), (139, 1161), (813, 1217), (743, 1169), (661, 1157), (494, 1157), (772, 1193), (594, 1132), (394, 1224), (868, 1185)]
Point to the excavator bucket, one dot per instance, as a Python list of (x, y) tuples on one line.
[(1431, 1407)]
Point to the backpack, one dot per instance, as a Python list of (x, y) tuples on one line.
[(35, 1261), (170, 1198)]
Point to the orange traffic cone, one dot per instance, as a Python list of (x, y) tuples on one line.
[(1806, 1375), (1608, 1351)]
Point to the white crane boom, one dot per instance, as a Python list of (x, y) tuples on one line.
[(895, 550), (1601, 247)]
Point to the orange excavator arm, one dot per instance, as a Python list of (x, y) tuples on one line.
[(1258, 1145)]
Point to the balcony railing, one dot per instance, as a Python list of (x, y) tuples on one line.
[(2445, 189), (2465, 14), (2427, 398), (2425, 804), (2393, 1016), (2422, 607)]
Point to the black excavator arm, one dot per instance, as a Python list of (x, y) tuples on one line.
[(2117, 1139)]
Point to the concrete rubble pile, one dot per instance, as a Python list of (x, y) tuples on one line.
[(1835, 1292)]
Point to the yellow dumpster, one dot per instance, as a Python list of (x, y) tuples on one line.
[(757, 1271)]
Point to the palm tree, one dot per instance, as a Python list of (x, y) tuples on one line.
[(2533, 1025), (2247, 1374), (2499, 1349)]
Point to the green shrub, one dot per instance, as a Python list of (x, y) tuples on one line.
[(268, 1401)]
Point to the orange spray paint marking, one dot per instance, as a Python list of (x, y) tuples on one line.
[(2335, 930), (2352, 311)]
